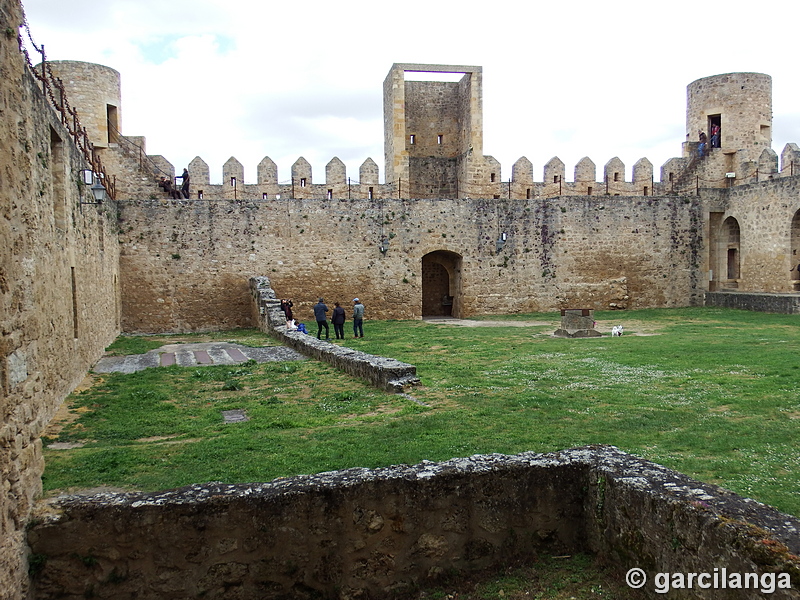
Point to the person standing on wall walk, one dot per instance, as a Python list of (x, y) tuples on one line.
[(185, 184)]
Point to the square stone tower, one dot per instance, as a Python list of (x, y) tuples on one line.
[(433, 131)]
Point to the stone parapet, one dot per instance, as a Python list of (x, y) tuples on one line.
[(383, 533), (385, 373), (788, 304)]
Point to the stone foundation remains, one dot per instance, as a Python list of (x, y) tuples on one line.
[(386, 373), (384, 533)]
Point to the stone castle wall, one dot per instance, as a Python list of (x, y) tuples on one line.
[(388, 532), (186, 263), (58, 287)]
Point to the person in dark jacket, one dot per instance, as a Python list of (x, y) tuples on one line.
[(322, 319), (338, 318)]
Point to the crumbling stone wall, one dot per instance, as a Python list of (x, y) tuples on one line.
[(381, 533), (58, 287)]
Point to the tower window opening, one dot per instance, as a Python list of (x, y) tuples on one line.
[(330, 194), (412, 139), (671, 177), (302, 182), (616, 176), (589, 191), (528, 194), (555, 178), (646, 190), (439, 139), (369, 194), (492, 177), (199, 194), (265, 196), (112, 120)]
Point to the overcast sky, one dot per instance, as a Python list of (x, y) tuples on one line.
[(254, 78)]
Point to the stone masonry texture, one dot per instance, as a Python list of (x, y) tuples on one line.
[(386, 532), (443, 233)]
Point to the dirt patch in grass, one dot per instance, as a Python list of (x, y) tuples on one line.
[(639, 328)]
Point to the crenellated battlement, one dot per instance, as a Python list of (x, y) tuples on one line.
[(679, 175)]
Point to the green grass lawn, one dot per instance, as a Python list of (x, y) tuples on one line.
[(709, 392)]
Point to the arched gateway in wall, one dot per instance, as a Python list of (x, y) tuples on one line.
[(441, 284)]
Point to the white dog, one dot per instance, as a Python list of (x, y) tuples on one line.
[(617, 330)]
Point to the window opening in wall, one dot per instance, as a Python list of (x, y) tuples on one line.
[(492, 177), (555, 178), (589, 191), (412, 139), (302, 182), (715, 130), (369, 194), (646, 190), (199, 194), (439, 139), (528, 194), (74, 304), (330, 194), (616, 176), (497, 196), (671, 177), (265, 196), (765, 132), (113, 124)]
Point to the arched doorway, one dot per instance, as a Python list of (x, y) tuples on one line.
[(795, 251), (441, 284)]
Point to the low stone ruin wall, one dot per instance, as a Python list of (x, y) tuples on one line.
[(788, 304), (385, 373), (387, 532)]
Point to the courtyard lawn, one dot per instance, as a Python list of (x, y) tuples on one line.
[(709, 392)]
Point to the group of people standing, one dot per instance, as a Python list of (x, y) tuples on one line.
[(173, 190), (338, 318), (703, 140)]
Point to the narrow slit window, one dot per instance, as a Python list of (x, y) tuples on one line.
[(589, 191), (302, 182), (528, 194), (616, 176), (199, 194), (265, 196), (646, 191), (671, 176), (555, 178), (330, 194), (412, 139), (492, 177), (439, 139), (369, 194)]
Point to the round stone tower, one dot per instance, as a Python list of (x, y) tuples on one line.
[(94, 91), (740, 104)]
